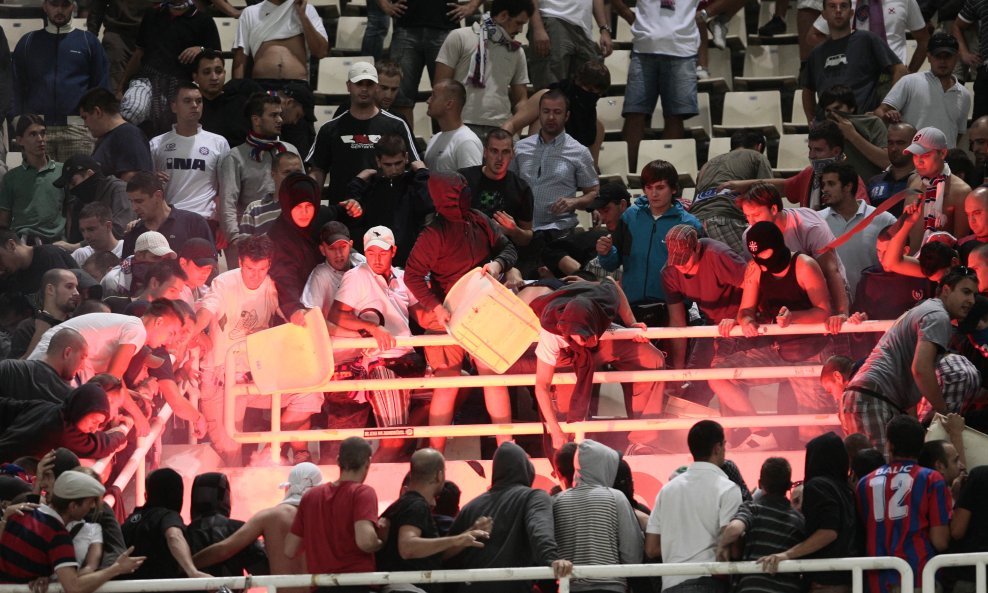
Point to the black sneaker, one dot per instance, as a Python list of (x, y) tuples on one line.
[(776, 26)]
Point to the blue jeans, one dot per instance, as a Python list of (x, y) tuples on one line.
[(377, 29), (700, 585), (415, 48)]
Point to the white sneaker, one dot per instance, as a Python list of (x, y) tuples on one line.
[(759, 442), (718, 33), (701, 73)]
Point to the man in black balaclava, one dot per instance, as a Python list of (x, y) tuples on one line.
[(84, 183), (156, 530), (781, 287)]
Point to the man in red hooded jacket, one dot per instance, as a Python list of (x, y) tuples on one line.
[(457, 241)]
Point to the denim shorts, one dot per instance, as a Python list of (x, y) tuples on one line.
[(651, 76)]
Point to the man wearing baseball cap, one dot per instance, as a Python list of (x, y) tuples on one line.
[(933, 98), (150, 248), (48, 549), (337, 247), (84, 182), (344, 146), (943, 193)]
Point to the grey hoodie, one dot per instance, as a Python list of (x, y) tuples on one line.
[(523, 531), (595, 523)]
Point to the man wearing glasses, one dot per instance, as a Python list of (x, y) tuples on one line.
[(902, 369)]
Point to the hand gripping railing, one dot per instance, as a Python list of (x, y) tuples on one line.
[(233, 389), (856, 566), (977, 560)]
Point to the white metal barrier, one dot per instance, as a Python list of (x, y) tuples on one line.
[(977, 560), (233, 389), (856, 566)]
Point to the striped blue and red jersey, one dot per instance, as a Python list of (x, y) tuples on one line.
[(34, 545), (898, 504)]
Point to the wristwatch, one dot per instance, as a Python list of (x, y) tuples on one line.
[(606, 28)]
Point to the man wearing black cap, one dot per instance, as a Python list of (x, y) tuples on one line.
[(785, 288), (84, 182), (198, 259), (578, 251), (933, 98)]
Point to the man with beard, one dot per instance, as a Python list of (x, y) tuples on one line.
[(977, 135), (48, 377), (900, 171), (902, 369), (394, 195), (976, 210), (60, 294)]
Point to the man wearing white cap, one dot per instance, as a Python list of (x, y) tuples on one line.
[(943, 193), (150, 248), (344, 145), (373, 297), (49, 550), (273, 524)]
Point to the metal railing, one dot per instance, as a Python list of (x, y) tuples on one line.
[(977, 560), (856, 566), (276, 436)]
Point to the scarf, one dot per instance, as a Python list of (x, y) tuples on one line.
[(934, 189), (489, 32), (870, 16), (259, 145)]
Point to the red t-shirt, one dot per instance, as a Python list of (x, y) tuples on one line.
[(34, 545), (325, 521)]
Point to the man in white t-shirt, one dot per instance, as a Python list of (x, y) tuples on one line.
[(96, 226), (492, 92), (239, 303), (561, 38), (188, 156), (337, 247), (455, 147), (151, 247), (114, 340), (373, 297)]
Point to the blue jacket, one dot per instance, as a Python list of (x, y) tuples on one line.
[(641, 247), (51, 72)]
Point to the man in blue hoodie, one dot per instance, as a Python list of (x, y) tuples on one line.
[(52, 68), (639, 243)]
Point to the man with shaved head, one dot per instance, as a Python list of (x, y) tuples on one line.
[(413, 542), (978, 261), (47, 378), (976, 210), (899, 173), (456, 146), (59, 296)]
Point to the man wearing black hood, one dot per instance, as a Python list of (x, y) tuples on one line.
[(525, 535), (32, 428), (829, 511), (782, 287), (573, 319), (156, 529), (84, 182), (296, 233), (211, 523), (457, 241)]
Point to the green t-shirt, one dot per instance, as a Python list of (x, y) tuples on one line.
[(35, 205)]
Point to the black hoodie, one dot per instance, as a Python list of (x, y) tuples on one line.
[(828, 503), (145, 528), (211, 523), (296, 251), (523, 534), (33, 428)]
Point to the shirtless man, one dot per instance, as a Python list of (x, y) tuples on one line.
[(273, 524), (943, 192), (280, 35)]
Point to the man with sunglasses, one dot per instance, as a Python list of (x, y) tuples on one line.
[(52, 69), (902, 369)]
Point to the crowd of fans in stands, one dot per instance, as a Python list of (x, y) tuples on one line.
[(141, 164)]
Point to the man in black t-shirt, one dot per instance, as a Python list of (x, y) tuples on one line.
[(223, 102), (22, 266), (414, 511), (156, 530), (344, 145), (499, 193), (121, 147)]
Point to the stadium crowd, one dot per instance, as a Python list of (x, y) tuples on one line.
[(142, 164)]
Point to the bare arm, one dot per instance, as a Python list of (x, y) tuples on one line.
[(365, 534), (93, 557), (226, 8), (133, 65), (969, 58), (180, 551), (443, 71), (319, 175), (543, 395), (412, 545), (677, 318), (749, 295), (924, 371), (623, 11), (73, 582), (182, 407), (292, 545), (836, 285), (518, 93), (922, 37), (526, 112), (624, 308), (239, 63), (317, 44), (810, 278), (653, 546), (898, 71), (809, 104), (895, 259), (228, 548), (959, 523), (940, 537)]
